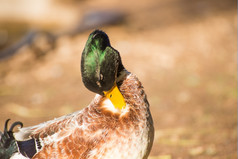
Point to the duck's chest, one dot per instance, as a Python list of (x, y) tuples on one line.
[(131, 139), (125, 145)]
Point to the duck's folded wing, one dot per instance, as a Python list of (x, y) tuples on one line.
[(52, 128), (31, 140)]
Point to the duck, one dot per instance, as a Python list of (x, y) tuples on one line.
[(117, 124)]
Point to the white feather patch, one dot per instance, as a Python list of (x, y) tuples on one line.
[(107, 104), (18, 156)]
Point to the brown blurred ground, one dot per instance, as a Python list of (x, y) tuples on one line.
[(184, 52)]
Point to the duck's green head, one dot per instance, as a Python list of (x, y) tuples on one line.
[(100, 64)]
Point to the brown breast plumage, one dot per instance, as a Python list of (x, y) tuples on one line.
[(99, 131)]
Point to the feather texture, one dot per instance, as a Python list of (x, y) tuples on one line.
[(98, 131)]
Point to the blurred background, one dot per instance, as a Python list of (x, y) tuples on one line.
[(183, 51)]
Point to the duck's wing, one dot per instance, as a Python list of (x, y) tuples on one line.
[(31, 140), (48, 128)]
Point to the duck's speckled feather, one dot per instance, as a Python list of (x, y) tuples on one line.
[(97, 132)]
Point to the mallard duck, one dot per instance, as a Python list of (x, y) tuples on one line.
[(117, 124)]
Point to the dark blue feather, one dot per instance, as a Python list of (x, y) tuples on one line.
[(27, 148)]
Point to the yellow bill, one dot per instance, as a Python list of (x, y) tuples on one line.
[(116, 97)]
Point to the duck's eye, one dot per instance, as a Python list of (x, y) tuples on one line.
[(110, 95)]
